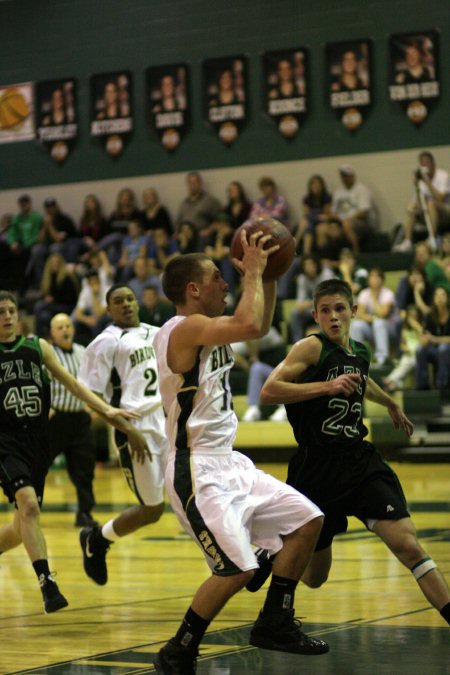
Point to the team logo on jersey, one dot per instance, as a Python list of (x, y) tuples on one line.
[(211, 550)]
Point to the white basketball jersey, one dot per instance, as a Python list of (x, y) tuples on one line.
[(120, 364), (198, 403)]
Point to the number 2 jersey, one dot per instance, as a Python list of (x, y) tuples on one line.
[(24, 387), (120, 364), (198, 403)]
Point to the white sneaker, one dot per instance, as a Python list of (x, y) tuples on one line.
[(404, 247), (279, 415), (252, 414)]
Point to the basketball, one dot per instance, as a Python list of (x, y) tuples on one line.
[(13, 109), (278, 262)]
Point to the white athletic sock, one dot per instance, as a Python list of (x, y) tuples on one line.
[(108, 531)]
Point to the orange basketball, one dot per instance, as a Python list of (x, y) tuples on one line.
[(278, 262), (13, 109)]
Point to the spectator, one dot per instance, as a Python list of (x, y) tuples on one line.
[(7, 277), (311, 274), (154, 215), (144, 275), (238, 205), (125, 210), (414, 289), (271, 203), (59, 291), (444, 255), (409, 341), (316, 208), (219, 249), (377, 316), (434, 273), (199, 208), (161, 249), (154, 309), (432, 192), (351, 272), (93, 225), (330, 240), (23, 237), (263, 355), (98, 261), (187, 238), (134, 245), (435, 344), (59, 233), (352, 204), (90, 314)]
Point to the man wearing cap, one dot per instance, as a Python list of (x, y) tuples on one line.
[(352, 204), (23, 234)]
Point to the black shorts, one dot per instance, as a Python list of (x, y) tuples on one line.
[(376, 494), (24, 460)]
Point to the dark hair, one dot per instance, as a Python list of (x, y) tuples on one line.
[(91, 273), (179, 272), (378, 271), (7, 295), (114, 287), (428, 155), (333, 287)]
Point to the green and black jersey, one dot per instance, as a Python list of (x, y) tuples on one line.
[(24, 386), (332, 423)]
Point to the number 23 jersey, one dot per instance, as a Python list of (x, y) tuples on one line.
[(120, 364), (332, 422)]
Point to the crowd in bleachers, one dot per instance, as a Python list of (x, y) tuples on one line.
[(57, 265)]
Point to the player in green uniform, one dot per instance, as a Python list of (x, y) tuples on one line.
[(323, 381), (24, 449)]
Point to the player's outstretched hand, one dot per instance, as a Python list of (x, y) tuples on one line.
[(121, 412), (345, 384), (400, 421), (138, 446)]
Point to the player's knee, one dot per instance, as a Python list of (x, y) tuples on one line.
[(408, 550), (29, 509), (314, 578)]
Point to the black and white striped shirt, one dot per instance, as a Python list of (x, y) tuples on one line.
[(62, 399)]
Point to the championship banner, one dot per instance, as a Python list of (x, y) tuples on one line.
[(349, 81), (167, 92), (225, 86), (56, 117), (16, 112), (285, 89), (111, 109), (414, 73)]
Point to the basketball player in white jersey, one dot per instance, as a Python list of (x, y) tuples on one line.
[(219, 496), (120, 365)]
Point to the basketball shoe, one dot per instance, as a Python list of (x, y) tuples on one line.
[(281, 631), (94, 547), (53, 598), (173, 659)]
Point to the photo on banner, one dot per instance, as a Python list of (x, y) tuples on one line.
[(56, 116), (225, 95), (111, 109), (285, 89), (16, 112), (168, 100), (414, 73), (349, 81)]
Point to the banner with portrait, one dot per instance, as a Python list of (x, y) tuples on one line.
[(225, 95), (56, 116), (111, 109), (16, 112), (349, 81), (414, 73), (285, 89), (168, 97)]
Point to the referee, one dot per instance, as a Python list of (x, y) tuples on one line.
[(70, 423)]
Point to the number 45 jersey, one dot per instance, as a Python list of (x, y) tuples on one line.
[(332, 422), (24, 386), (120, 364)]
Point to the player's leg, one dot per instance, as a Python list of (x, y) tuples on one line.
[(318, 568), (401, 538), (146, 480), (80, 457), (10, 536), (28, 511)]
